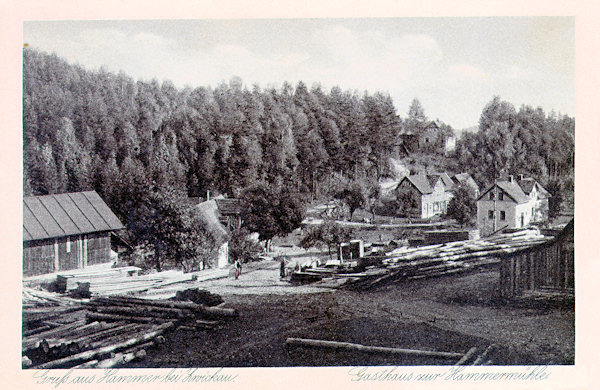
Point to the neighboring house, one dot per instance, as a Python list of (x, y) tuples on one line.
[(433, 137), (506, 204), (539, 196), (230, 212), (430, 194), (548, 266), (209, 212), (66, 231), (464, 178)]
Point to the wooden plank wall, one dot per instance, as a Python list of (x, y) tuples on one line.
[(541, 267)]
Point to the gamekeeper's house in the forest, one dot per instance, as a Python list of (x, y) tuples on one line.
[(66, 231)]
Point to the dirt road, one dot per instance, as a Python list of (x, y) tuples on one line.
[(446, 314)]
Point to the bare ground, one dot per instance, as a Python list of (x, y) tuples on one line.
[(452, 313)]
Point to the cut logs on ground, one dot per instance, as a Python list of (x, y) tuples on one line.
[(108, 331)]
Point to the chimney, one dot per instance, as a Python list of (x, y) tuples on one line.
[(511, 178), (521, 177), (207, 195)]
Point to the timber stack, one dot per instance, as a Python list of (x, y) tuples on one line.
[(408, 263), (109, 331)]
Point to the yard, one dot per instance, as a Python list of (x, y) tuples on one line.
[(452, 313)]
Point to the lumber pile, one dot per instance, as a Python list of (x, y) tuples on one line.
[(33, 297), (107, 331), (407, 263), (118, 281)]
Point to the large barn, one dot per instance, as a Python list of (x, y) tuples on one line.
[(66, 231)]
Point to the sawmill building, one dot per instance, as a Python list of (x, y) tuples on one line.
[(66, 231)]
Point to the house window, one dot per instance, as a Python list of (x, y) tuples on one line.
[(492, 195), (68, 244), (490, 214), (503, 215), (501, 196)]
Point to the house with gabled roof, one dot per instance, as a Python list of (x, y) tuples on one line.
[(539, 195), (508, 204), (66, 231), (429, 194), (435, 136), (465, 179)]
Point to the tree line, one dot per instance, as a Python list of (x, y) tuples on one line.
[(131, 140)]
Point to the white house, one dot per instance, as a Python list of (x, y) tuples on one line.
[(505, 204)]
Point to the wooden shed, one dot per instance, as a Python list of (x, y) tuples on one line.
[(66, 231), (547, 267)]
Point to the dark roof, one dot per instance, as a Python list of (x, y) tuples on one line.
[(229, 206), (465, 179), (527, 185), (431, 124), (69, 214), (420, 182), (512, 189)]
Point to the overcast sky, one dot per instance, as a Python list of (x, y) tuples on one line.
[(454, 66)]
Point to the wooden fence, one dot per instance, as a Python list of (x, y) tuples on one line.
[(548, 266)]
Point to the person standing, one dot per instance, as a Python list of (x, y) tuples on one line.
[(238, 268), (282, 268)]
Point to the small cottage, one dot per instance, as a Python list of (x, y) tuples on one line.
[(66, 231), (465, 179)]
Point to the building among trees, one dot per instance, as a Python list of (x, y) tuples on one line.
[(511, 204), (423, 196), (66, 231), (436, 137)]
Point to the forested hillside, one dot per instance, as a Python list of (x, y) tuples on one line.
[(124, 138), (106, 131)]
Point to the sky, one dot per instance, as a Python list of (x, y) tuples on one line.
[(454, 66)]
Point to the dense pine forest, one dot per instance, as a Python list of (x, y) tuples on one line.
[(131, 140)]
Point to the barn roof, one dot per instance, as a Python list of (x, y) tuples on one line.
[(67, 214), (447, 180)]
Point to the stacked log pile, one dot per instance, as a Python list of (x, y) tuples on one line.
[(108, 331), (436, 260)]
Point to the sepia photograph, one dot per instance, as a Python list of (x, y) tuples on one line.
[(298, 192)]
